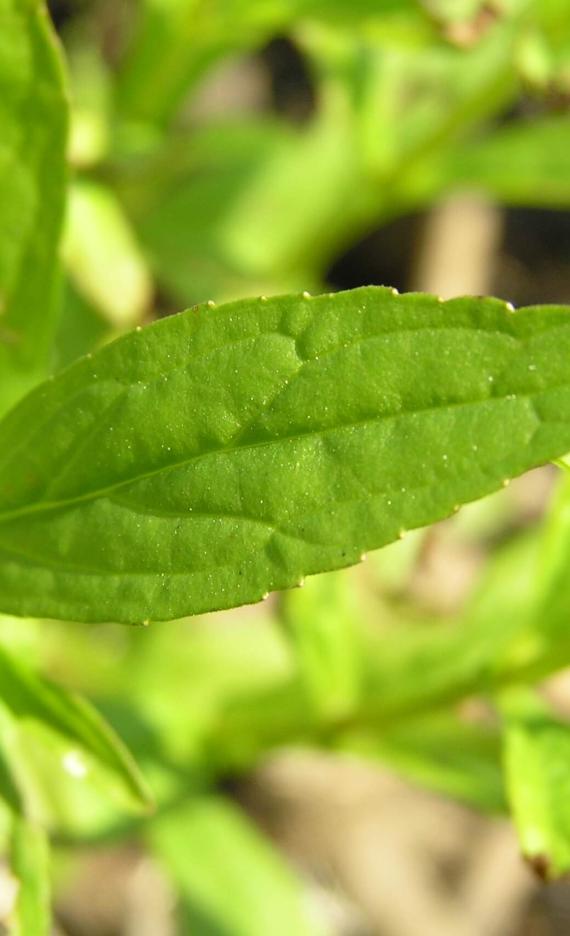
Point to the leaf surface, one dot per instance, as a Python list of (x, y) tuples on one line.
[(33, 118), (214, 456), (229, 878)]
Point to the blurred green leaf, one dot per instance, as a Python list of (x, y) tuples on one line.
[(29, 862), (30, 698), (10, 791), (91, 103), (544, 643), (454, 10), (416, 669), (33, 118), (82, 328), (552, 606), (103, 257), (441, 751), (208, 220), (537, 770), (386, 113), (525, 163), (230, 880), (544, 47), (298, 451), (320, 621), (177, 41)]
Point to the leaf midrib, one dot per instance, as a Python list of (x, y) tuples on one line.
[(48, 506)]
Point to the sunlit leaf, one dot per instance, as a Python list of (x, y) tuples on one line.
[(220, 454)]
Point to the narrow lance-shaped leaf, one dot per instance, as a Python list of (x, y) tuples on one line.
[(229, 878), (33, 118), (29, 860), (216, 455), (28, 697)]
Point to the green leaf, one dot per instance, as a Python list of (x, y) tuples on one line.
[(404, 674), (29, 860), (230, 879), (216, 455), (525, 163), (9, 785), (543, 643), (33, 122), (32, 699), (103, 257), (552, 605), (537, 761), (442, 752), (320, 621)]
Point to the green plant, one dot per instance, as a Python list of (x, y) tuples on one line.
[(207, 459)]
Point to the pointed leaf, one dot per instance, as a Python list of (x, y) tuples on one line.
[(29, 859), (201, 462)]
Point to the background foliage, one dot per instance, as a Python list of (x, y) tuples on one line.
[(109, 734)]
